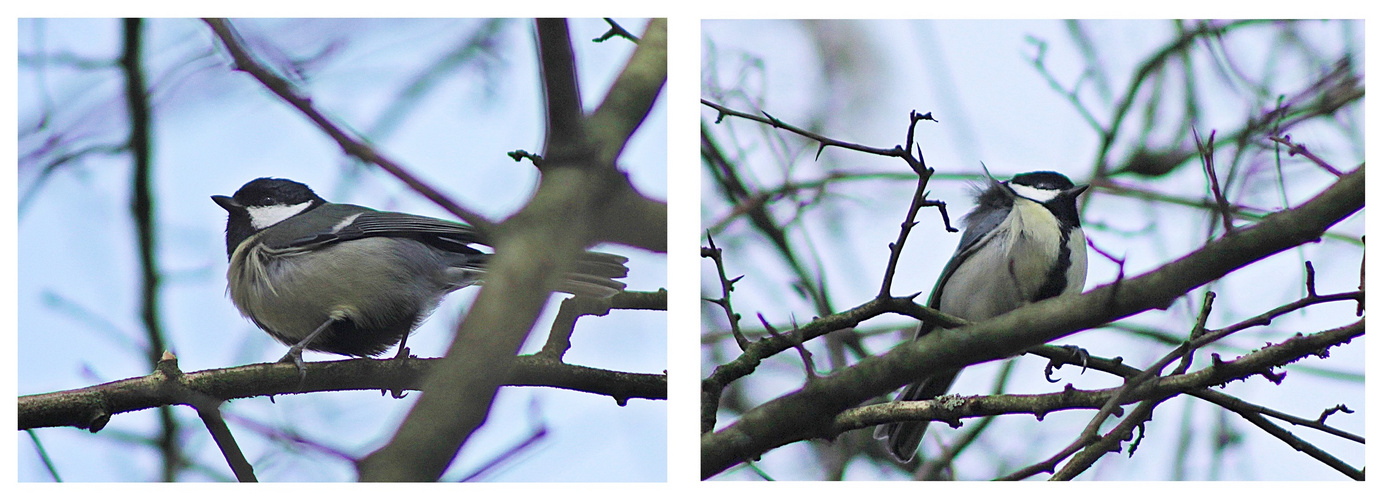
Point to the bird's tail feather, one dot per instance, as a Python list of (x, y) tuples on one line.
[(595, 275), (902, 438)]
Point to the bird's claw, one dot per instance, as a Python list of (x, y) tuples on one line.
[(295, 354), (1078, 353)]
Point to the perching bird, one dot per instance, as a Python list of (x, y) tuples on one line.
[(352, 280), (1023, 243)]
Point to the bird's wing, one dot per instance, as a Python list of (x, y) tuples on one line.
[(978, 231), (366, 223)]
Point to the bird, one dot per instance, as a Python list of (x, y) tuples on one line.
[(1023, 243), (352, 280)]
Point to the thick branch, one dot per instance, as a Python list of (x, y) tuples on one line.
[(92, 407), (561, 91), (533, 250)]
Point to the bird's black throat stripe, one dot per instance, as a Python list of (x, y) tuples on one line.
[(1056, 280)]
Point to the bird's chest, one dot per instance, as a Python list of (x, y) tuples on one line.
[(1031, 247)]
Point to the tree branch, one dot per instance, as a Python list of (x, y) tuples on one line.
[(92, 407), (353, 146)]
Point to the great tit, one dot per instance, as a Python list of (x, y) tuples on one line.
[(351, 280), (1023, 243)]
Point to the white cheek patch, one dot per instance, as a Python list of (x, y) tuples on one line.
[(262, 217), (1033, 193)]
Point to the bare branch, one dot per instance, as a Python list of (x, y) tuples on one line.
[(92, 407), (350, 145)]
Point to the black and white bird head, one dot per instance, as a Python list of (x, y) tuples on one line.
[(1023, 243), (262, 203)]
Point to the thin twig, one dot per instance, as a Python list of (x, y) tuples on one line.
[(918, 165), (714, 253), (1208, 161), (823, 141), (1109, 442), (1360, 304), (614, 31), (172, 383), (353, 146), (1303, 446), (1088, 436), (1299, 149), (1198, 330), (1240, 406), (795, 338), (225, 441), (1149, 68)]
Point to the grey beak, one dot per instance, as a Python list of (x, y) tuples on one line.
[(226, 202)]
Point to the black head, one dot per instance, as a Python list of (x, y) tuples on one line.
[(262, 203), (268, 192), (1044, 180), (1051, 189)]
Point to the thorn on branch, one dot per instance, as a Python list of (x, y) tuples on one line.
[(775, 122), (795, 338), (168, 366), (713, 252)]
